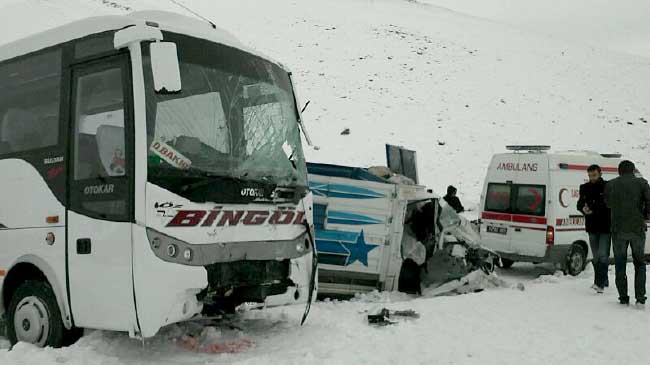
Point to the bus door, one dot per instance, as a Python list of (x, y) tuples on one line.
[(101, 205)]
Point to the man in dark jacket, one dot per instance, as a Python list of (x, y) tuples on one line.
[(597, 224), (453, 200), (628, 197)]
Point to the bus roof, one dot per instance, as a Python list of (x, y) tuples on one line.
[(167, 21)]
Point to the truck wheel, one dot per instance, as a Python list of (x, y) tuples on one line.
[(576, 260), (506, 263), (34, 316)]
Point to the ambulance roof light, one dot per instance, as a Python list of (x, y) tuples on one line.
[(528, 148)]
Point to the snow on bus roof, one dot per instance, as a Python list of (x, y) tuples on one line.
[(168, 21)]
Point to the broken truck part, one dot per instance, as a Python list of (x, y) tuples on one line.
[(376, 230)]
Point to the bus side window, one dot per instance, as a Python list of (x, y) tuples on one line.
[(29, 103), (99, 150)]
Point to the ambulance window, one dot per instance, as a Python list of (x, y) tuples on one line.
[(530, 199), (498, 198)]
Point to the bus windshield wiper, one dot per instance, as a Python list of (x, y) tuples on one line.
[(208, 178)]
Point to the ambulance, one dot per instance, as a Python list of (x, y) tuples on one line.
[(528, 209)]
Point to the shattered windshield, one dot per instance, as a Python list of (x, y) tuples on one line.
[(235, 117)]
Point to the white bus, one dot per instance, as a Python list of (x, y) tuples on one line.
[(152, 172)]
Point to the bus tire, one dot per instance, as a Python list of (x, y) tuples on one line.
[(34, 316), (71, 336), (576, 260), (506, 263)]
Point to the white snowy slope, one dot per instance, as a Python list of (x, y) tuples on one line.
[(402, 72), (456, 86), (618, 25)]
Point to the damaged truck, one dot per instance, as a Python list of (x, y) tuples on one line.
[(377, 229)]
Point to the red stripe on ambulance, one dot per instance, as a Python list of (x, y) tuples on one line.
[(518, 218), (497, 216), (528, 219), (530, 228), (584, 168)]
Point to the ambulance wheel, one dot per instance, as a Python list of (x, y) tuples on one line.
[(34, 316), (576, 260), (506, 263)]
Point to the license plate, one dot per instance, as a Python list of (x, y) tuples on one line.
[(497, 230)]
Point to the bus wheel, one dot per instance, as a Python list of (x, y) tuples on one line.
[(576, 260), (506, 263), (34, 316)]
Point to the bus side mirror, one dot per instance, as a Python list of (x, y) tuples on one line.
[(165, 67)]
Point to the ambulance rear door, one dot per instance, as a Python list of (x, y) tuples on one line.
[(496, 203)]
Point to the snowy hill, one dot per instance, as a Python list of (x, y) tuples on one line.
[(455, 80), (620, 26), (454, 87)]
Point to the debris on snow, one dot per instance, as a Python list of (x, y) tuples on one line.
[(475, 281), (115, 5), (229, 346), (345, 132), (382, 318), (213, 340)]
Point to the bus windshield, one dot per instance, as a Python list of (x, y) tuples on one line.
[(235, 117)]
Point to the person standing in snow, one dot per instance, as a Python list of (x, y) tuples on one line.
[(628, 197), (453, 200), (597, 224)]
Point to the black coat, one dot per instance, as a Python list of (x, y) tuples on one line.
[(593, 195), (628, 197), (454, 202)]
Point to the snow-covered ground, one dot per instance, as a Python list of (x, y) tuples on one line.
[(456, 85), (554, 320)]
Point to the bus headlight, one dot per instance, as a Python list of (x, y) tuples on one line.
[(187, 254), (171, 250), (155, 243), (302, 246)]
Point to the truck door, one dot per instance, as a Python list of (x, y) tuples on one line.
[(496, 217), (99, 246)]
